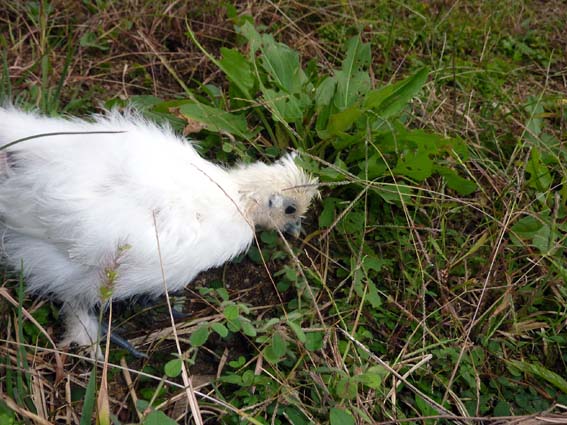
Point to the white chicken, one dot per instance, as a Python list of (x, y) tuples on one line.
[(80, 212)]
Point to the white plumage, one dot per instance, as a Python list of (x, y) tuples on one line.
[(79, 211)]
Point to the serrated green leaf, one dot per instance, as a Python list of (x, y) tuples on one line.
[(216, 119), (199, 336), (340, 417), (173, 368)]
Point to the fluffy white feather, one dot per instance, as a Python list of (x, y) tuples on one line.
[(74, 207)]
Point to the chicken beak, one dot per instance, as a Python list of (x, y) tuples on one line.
[(293, 228)]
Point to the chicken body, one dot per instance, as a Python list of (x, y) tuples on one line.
[(82, 213)]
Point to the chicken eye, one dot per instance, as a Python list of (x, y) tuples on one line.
[(290, 209)]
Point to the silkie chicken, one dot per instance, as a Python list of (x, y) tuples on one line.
[(83, 212)]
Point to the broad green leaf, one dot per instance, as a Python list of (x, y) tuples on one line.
[(374, 98), (375, 263), (352, 79), (199, 336), (342, 121), (247, 327), (269, 354), (372, 295), (234, 325), (173, 368), (294, 416), (231, 312), (231, 379), (157, 417), (427, 142), (237, 69), (424, 408), (313, 341), (540, 177), (375, 167), (89, 400), (144, 102), (216, 119), (395, 194), (544, 239), (347, 388), (276, 349), (325, 92), (279, 345), (248, 378), (340, 417), (527, 227), (254, 37), (540, 371), (502, 408), (90, 39), (269, 237), (327, 216), (415, 164), (367, 290), (345, 140), (390, 101), (235, 364), (282, 64), (373, 377), (220, 329), (459, 184), (297, 330), (285, 107), (535, 119)]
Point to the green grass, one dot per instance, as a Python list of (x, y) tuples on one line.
[(431, 286)]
